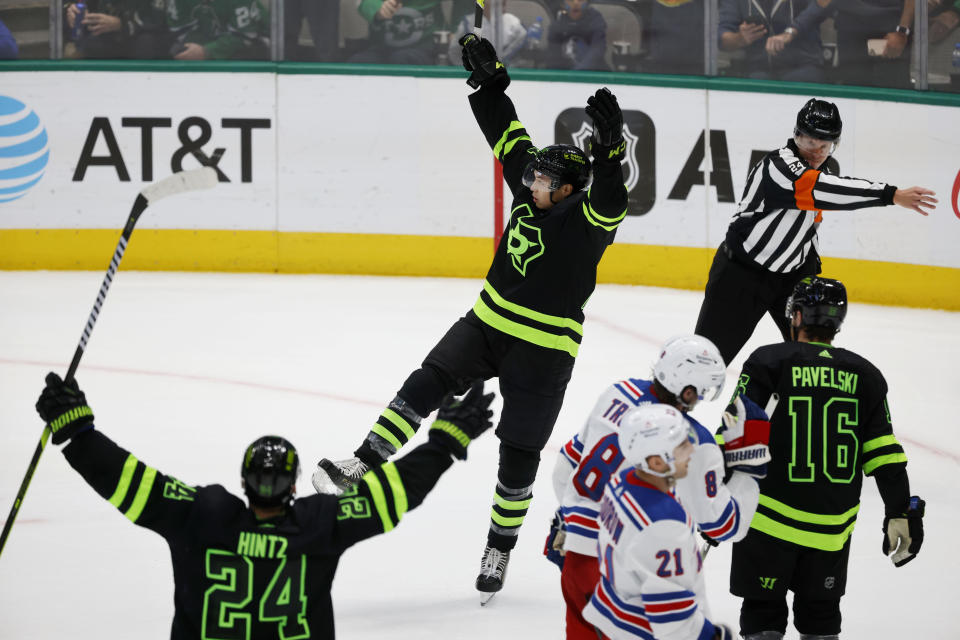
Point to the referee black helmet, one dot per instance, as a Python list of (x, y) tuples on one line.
[(822, 302), (819, 119)]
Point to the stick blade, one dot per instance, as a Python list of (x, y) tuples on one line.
[(203, 178)]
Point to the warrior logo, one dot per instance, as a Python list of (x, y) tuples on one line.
[(639, 135), (829, 582), (524, 243)]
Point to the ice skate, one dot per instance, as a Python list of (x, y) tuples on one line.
[(493, 573), (336, 477)]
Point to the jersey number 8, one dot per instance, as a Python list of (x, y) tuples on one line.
[(595, 470)]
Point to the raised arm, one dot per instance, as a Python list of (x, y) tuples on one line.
[(142, 494), (494, 111), (385, 493)]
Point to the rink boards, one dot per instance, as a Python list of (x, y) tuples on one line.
[(389, 174)]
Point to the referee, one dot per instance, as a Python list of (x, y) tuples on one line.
[(771, 242)]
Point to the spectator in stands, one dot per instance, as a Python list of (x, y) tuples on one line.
[(202, 30), (577, 39), (8, 45), (883, 64), (944, 18), (102, 31), (513, 40), (323, 20), (675, 38), (780, 40), (400, 32)]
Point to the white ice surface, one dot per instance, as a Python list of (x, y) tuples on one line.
[(186, 369)]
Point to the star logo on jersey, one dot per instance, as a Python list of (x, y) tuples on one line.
[(524, 242)]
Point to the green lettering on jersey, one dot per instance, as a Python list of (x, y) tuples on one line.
[(824, 377), (261, 545), (173, 489)]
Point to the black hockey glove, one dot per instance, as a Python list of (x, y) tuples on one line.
[(553, 546), (723, 632), (603, 109), (903, 533), (480, 58), (64, 407), (461, 420)]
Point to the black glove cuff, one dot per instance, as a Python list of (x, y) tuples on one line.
[(614, 152)]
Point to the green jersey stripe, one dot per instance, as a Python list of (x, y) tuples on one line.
[(379, 500), (876, 443), (129, 466), (143, 492), (871, 465), (807, 516), (824, 541), (497, 148), (396, 485), (528, 334), (543, 318)]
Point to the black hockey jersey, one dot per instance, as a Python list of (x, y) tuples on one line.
[(830, 426), (239, 577), (545, 268)]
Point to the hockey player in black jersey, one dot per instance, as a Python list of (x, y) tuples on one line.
[(263, 571), (527, 324), (830, 426), (772, 243)]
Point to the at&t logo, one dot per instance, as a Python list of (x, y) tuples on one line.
[(23, 149)]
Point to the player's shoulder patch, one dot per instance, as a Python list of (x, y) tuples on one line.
[(635, 390)]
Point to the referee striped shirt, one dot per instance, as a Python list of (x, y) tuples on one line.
[(775, 226)]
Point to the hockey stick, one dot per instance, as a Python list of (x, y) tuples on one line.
[(177, 183), (478, 18)]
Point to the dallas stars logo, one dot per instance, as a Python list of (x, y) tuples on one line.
[(524, 243)]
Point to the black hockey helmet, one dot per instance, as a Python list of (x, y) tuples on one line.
[(819, 119), (822, 302), (270, 469), (563, 164)]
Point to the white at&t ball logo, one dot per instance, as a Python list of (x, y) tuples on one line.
[(23, 149)]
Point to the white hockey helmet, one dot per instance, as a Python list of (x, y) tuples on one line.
[(691, 361), (653, 430)]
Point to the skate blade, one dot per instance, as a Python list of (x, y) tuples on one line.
[(485, 598), (323, 484)]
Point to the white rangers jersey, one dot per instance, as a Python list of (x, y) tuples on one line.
[(588, 461), (650, 580)]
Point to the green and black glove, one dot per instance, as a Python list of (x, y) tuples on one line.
[(461, 420), (480, 59), (604, 110), (64, 407)]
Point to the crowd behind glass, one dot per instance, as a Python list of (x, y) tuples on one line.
[(908, 44)]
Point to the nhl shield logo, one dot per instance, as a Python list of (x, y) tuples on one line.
[(639, 134), (524, 243)]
